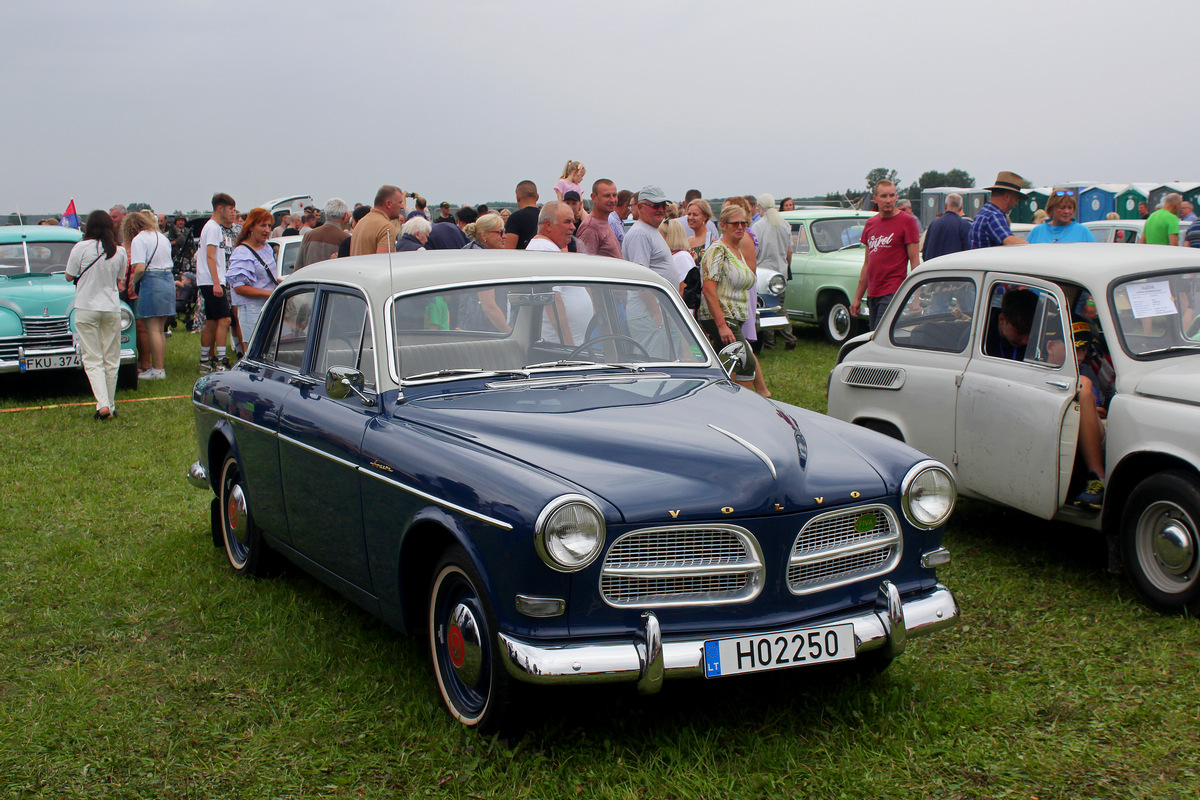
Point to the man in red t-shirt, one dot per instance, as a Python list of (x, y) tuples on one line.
[(891, 239)]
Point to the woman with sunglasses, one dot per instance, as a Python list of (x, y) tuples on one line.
[(726, 279), (1061, 225)]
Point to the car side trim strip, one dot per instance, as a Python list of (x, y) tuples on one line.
[(444, 503), (232, 418)]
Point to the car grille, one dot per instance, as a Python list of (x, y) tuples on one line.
[(686, 565), (41, 333), (843, 546)]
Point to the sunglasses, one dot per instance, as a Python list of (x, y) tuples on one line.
[(1064, 192)]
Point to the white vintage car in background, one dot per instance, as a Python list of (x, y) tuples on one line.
[(930, 376)]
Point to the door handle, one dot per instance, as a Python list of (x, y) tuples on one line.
[(1059, 385)]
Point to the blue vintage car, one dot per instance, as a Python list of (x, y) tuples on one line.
[(538, 459), (37, 304)]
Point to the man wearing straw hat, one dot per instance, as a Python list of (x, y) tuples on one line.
[(990, 228)]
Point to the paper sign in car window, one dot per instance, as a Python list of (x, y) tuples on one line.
[(1151, 299)]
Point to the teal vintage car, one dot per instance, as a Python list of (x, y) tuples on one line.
[(37, 304), (827, 259)]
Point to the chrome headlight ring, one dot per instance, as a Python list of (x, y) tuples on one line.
[(928, 494), (777, 284), (569, 533)]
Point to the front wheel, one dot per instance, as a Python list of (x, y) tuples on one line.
[(838, 325), (463, 644), (243, 540), (1160, 537)]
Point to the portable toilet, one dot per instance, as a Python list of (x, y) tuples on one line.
[(1186, 188), (1127, 200), (973, 200), (933, 202), (1033, 200), (1099, 201)]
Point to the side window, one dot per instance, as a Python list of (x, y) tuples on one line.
[(799, 238), (1024, 323), (289, 331), (345, 337), (936, 315)]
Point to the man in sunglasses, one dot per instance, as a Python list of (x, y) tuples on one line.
[(643, 243)]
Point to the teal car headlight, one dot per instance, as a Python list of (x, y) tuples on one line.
[(927, 495), (126, 318), (569, 533)]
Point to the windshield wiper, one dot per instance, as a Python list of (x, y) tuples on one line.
[(562, 363), (447, 373)]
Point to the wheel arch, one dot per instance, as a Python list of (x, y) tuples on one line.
[(1125, 477), (886, 427), (423, 544), (827, 296)]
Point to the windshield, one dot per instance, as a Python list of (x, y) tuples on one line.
[(834, 234), (522, 328), (1156, 314), (43, 257)]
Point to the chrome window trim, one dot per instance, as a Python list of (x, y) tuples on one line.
[(896, 541), (444, 503), (674, 297)]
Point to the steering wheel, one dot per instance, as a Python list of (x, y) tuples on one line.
[(609, 337)]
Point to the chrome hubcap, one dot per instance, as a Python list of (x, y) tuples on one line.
[(1166, 544), (839, 320), (1173, 546), (463, 646), (235, 509)]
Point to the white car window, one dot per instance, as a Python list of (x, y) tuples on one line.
[(936, 315)]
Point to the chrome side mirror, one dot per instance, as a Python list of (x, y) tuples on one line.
[(733, 357), (341, 381)]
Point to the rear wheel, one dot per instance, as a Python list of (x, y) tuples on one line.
[(462, 640), (242, 539), (837, 325), (1160, 537)]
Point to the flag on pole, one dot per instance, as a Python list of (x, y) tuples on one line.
[(69, 218)]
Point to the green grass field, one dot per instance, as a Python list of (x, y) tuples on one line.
[(133, 665)]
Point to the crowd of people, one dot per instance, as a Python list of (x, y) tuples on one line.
[(712, 258)]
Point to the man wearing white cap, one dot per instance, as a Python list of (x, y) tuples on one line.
[(643, 243)]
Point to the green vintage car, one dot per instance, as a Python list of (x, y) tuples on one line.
[(827, 259), (37, 304)]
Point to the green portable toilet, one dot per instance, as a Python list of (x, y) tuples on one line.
[(1187, 189), (1127, 201), (1033, 200), (973, 200)]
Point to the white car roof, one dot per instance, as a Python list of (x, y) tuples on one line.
[(432, 268), (1093, 265)]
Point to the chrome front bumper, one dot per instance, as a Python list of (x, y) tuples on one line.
[(128, 356), (648, 659)]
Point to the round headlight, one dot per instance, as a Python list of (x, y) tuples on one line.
[(570, 533), (126, 317), (928, 494), (776, 284)]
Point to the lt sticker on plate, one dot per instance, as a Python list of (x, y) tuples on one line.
[(781, 650)]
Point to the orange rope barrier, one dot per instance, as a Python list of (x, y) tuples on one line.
[(93, 402)]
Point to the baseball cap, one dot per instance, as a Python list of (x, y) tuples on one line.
[(652, 194)]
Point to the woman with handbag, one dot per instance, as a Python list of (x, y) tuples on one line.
[(150, 259), (252, 274), (97, 268)]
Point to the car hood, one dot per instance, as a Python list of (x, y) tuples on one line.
[(652, 448), (39, 295), (1179, 382)]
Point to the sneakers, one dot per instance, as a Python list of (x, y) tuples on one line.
[(152, 374), (1092, 497), (222, 365), (207, 367)]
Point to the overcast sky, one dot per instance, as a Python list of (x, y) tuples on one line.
[(167, 102)]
